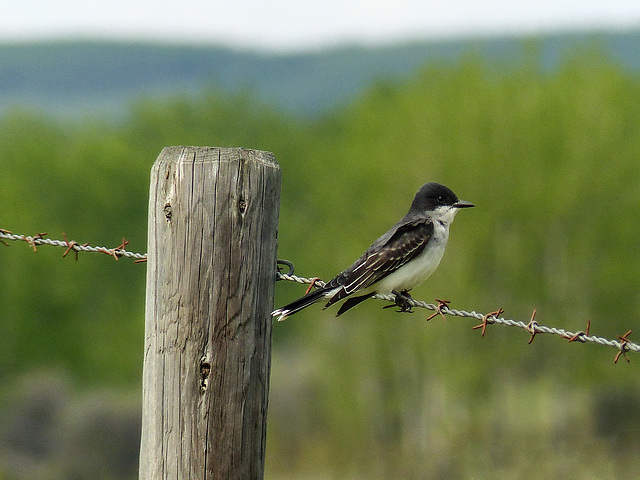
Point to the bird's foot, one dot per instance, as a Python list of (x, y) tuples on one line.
[(402, 300)]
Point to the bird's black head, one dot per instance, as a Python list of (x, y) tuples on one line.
[(433, 195)]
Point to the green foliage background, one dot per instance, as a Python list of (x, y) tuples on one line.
[(548, 157)]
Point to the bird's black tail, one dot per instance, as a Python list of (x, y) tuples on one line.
[(299, 304)]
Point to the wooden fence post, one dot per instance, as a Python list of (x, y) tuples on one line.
[(213, 216)]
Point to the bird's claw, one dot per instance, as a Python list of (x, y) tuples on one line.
[(402, 300)]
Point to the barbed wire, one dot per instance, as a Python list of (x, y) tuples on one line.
[(623, 344), (38, 239), (442, 308)]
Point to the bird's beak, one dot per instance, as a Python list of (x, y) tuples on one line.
[(463, 204)]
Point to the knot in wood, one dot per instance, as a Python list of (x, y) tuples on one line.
[(242, 205), (168, 212)]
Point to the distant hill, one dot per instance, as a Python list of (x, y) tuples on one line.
[(70, 79)]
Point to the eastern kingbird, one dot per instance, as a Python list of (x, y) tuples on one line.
[(399, 260)]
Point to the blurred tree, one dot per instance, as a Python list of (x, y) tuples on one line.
[(548, 157)]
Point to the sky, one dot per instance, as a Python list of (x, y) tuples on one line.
[(294, 25)]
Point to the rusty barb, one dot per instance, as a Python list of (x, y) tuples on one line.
[(624, 347), (441, 304), (488, 319), (72, 245), (442, 308)]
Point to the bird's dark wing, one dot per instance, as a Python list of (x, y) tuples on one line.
[(395, 248)]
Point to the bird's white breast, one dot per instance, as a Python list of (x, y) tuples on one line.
[(420, 268)]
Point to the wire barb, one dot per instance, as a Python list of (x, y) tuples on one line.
[(578, 335), (488, 319), (71, 244), (441, 304), (532, 326), (624, 347), (314, 281), (4, 232), (32, 240)]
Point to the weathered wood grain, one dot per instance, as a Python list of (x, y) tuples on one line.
[(213, 216)]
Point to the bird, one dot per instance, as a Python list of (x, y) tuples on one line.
[(402, 258)]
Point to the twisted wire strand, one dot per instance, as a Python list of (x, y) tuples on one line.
[(76, 247), (531, 327)]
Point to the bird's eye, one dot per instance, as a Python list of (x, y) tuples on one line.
[(440, 199)]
